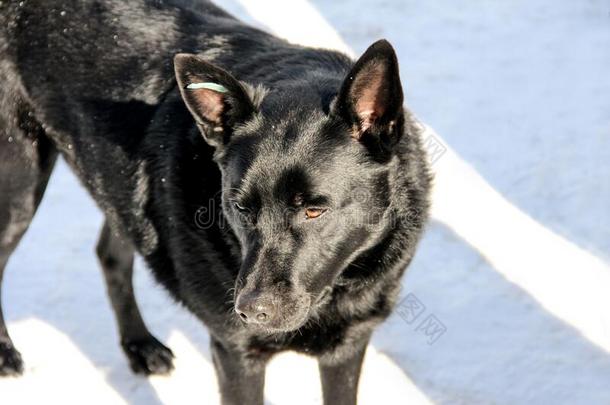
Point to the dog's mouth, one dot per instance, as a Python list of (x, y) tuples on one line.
[(288, 324), (276, 313), (285, 317)]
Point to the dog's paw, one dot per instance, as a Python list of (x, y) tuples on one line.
[(148, 356), (10, 361)]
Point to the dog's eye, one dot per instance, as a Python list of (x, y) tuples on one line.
[(312, 213)]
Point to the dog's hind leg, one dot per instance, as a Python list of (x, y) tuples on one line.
[(145, 353), (27, 158)]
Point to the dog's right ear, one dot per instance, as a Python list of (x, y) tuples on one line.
[(370, 99), (217, 100)]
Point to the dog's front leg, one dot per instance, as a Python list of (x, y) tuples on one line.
[(241, 379), (340, 377)]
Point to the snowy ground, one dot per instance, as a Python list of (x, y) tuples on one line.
[(515, 264)]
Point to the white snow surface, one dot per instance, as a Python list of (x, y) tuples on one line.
[(515, 264)]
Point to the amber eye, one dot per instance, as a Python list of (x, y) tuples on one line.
[(311, 213)]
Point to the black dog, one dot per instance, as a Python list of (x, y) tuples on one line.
[(283, 215)]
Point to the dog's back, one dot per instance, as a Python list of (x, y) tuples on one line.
[(87, 78), (93, 74), (75, 58)]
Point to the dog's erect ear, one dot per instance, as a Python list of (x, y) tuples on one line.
[(216, 99), (370, 99)]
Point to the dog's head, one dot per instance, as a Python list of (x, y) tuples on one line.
[(304, 172)]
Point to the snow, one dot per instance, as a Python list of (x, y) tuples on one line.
[(514, 267)]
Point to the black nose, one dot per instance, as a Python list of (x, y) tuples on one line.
[(257, 308)]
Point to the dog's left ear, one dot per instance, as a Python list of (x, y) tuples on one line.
[(217, 100), (370, 99)]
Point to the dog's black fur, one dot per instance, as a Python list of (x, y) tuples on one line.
[(292, 196)]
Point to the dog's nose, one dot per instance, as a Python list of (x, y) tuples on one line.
[(255, 308)]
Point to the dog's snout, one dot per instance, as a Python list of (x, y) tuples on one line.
[(254, 307)]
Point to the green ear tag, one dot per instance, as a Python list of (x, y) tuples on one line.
[(208, 85)]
